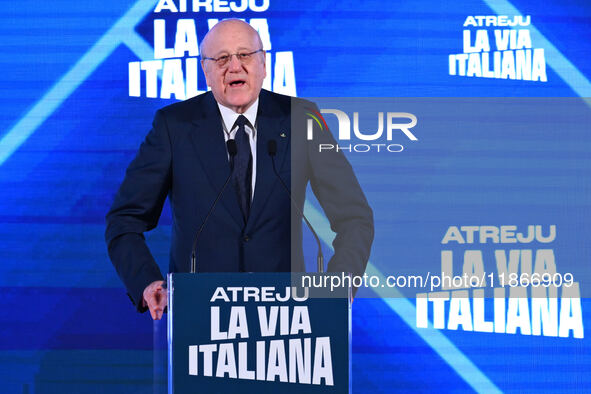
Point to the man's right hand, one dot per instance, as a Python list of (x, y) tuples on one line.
[(156, 299)]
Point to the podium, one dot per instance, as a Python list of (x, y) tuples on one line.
[(257, 333)]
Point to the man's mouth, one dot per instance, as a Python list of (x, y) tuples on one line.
[(237, 83)]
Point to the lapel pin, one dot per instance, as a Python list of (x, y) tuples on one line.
[(282, 135)]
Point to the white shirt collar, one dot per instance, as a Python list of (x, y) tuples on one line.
[(229, 116)]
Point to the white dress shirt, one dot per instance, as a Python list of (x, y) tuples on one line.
[(229, 118)]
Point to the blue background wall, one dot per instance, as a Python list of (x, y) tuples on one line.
[(68, 129)]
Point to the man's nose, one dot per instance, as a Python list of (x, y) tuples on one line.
[(235, 64)]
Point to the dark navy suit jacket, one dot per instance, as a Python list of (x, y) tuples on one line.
[(184, 157)]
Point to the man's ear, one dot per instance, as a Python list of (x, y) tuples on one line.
[(204, 72)]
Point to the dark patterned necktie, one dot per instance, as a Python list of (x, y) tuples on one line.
[(242, 175)]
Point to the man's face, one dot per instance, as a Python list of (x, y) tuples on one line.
[(235, 85)]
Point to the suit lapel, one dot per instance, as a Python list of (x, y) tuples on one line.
[(209, 143), (272, 124)]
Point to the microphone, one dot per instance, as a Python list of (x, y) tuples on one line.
[(272, 149), (232, 150)]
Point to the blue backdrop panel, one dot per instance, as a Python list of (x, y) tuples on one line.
[(69, 128)]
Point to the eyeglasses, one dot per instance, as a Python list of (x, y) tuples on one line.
[(224, 61)]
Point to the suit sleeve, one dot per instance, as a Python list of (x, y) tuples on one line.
[(335, 185), (136, 209)]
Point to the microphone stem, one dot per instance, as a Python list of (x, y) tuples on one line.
[(319, 257), (232, 153)]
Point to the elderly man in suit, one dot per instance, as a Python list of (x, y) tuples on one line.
[(253, 228)]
